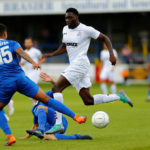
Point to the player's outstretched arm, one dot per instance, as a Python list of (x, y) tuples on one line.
[(59, 51), (27, 58), (107, 41)]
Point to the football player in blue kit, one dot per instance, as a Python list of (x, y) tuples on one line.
[(44, 120), (12, 79)]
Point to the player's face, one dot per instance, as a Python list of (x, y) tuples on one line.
[(28, 43), (71, 20)]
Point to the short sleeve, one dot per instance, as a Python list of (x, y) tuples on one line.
[(16, 45), (93, 33)]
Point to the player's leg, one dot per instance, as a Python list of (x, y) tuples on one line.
[(103, 86), (59, 136), (57, 89), (42, 114), (88, 99), (30, 89), (11, 107), (112, 82), (103, 77), (5, 127), (56, 105)]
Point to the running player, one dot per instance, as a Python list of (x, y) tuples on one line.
[(12, 79), (76, 41), (107, 71), (44, 119), (36, 55)]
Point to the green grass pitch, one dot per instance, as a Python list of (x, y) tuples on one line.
[(129, 128)]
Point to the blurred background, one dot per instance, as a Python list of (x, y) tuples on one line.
[(126, 22)]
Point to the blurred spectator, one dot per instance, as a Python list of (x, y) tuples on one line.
[(139, 60), (127, 55)]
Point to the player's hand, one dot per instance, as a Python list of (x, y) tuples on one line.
[(47, 78), (112, 59), (36, 66), (47, 55)]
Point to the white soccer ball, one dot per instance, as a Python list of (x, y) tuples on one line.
[(100, 119)]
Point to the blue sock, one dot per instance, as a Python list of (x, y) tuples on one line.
[(65, 137), (42, 118), (58, 106), (4, 123)]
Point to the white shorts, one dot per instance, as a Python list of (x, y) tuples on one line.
[(34, 75), (107, 74), (77, 76)]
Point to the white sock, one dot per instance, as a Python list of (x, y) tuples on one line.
[(11, 107), (113, 88), (104, 88), (103, 98), (59, 97)]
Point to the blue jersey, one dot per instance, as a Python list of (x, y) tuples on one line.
[(12, 77), (9, 63)]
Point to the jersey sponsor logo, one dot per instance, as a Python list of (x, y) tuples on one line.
[(72, 44)]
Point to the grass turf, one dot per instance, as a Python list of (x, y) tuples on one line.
[(129, 128)]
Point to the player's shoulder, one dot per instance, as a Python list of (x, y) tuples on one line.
[(85, 27), (11, 41), (65, 28)]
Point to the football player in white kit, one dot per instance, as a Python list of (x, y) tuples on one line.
[(36, 55), (76, 41), (107, 71)]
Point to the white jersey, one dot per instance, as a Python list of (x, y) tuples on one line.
[(77, 42), (105, 58), (35, 54)]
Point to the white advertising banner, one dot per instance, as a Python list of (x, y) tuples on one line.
[(41, 7)]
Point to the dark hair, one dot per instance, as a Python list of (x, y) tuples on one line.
[(73, 10), (3, 28), (29, 38)]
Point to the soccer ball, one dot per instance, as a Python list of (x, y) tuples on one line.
[(100, 119)]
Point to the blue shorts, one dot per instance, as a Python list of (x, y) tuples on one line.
[(20, 83)]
